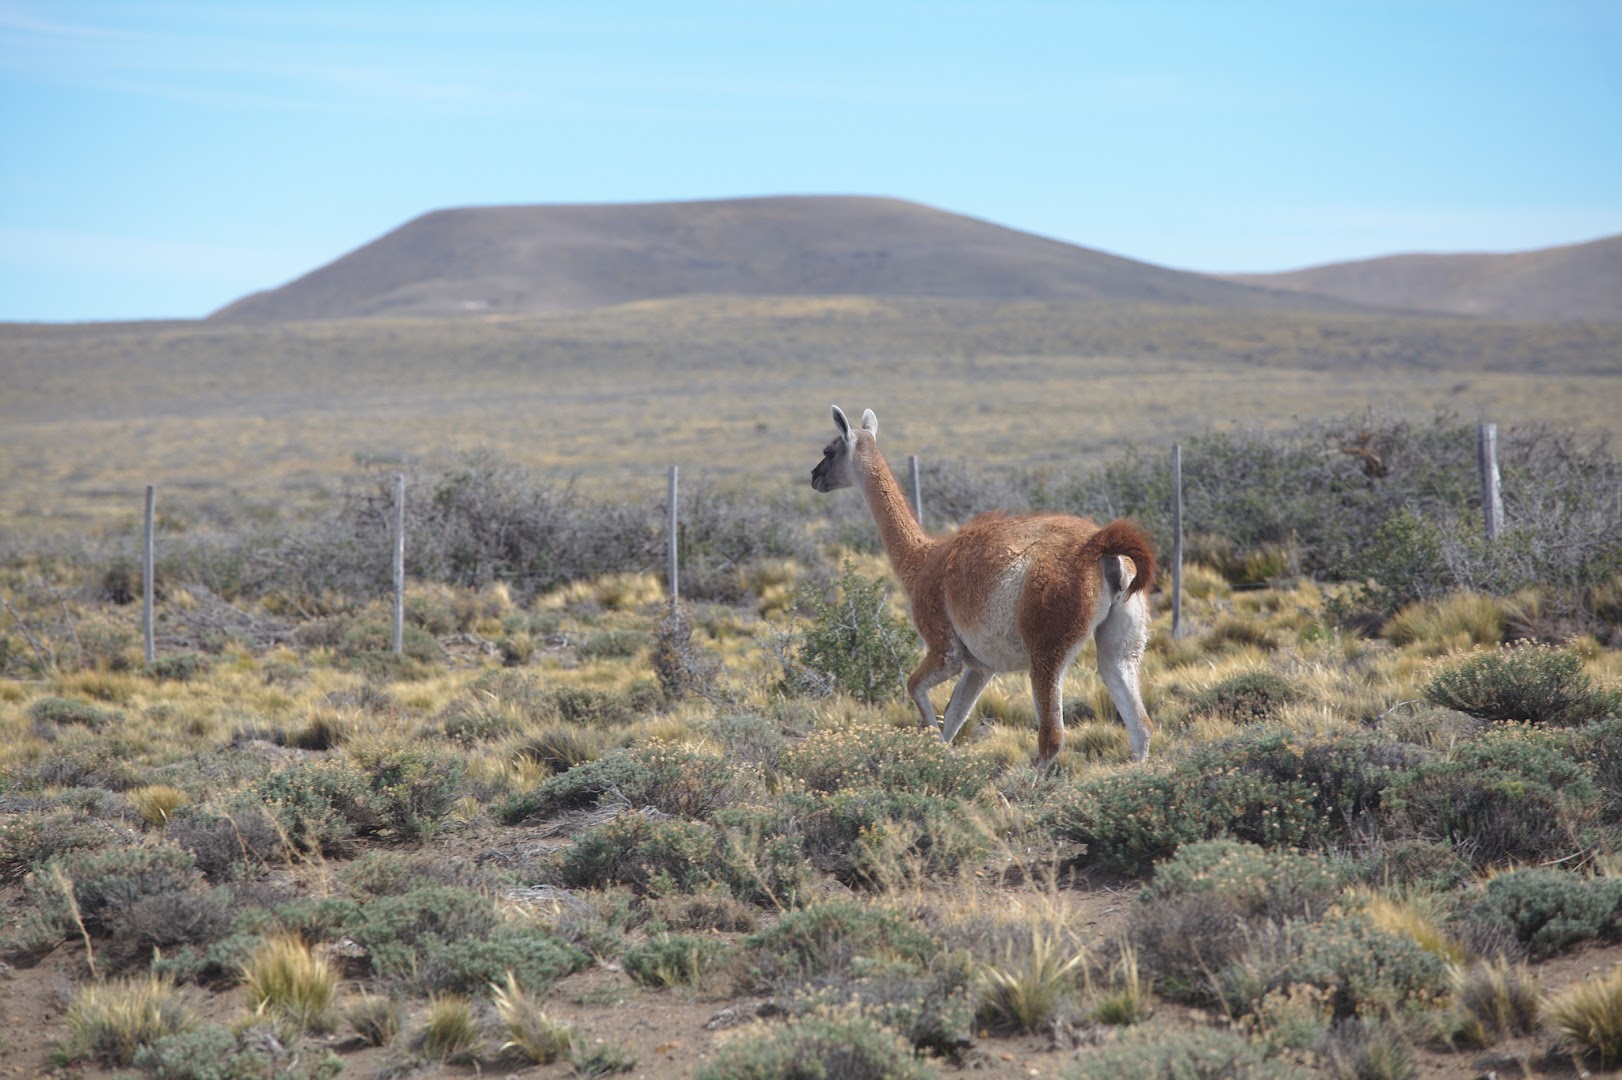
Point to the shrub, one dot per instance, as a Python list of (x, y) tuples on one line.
[(1528, 682), (1508, 797), (853, 643), (1246, 698), (877, 838), (1589, 1018), (327, 806), (682, 666), (1129, 820), (1548, 911), (1257, 883), (668, 778), (674, 960), (931, 1007), (110, 1021), (1197, 1054), (166, 921), (181, 667), (224, 843), (49, 713), (613, 645), (892, 759), (654, 857), (390, 928), (602, 1059), (30, 839), (211, 1052), (472, 965), (848, 1046), (828, 937), (106, 883)]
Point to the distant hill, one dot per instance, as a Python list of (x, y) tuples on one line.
[(1578, 282), (576, 257)]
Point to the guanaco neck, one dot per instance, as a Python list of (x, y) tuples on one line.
[(905, 541)]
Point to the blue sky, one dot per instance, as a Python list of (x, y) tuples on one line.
[(161, 159)]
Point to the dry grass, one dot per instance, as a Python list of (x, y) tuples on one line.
[(110, 1021), (1589, 1018), (530, 1032), (287, 979)]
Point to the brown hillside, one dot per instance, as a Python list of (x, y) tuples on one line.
[(1579, 282), (560, 258)]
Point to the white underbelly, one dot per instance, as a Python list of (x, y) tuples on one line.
[(992, 640)]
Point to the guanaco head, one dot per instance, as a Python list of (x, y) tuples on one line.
[(837, 468)]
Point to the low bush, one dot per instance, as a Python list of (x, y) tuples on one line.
[(211, 1052), (108, 883), (1530, 682), (613, 645), (1246, 698), (472, 965), (1367, 1049), (667, 960), (684, 668), (891, 759), (28, 840), (1549, 911), (1512, 796), (670, 779), (876, 837), (848, 1046), (829, 937), (181, 667), (931, 1007), (655, 857), (1257, 883), (328, 806), (1197, 1054)]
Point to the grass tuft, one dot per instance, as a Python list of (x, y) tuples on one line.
[(286, 978), (110, 1021), (1589, 1018)]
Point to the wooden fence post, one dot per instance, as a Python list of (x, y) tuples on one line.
[(917, 494), (1492, 510), (146, 577), (399, 564), (1176, 540), (670, 530)]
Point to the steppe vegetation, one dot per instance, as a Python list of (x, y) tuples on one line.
[(574, 831)]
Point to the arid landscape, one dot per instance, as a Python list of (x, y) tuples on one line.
[(571, 829)]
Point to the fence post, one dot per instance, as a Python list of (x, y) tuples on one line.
[(670, 531), (1492, 510), (399, 564), (1176, 540), (917, 494), (146, 577)]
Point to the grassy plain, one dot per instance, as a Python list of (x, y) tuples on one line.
[(277, 415)]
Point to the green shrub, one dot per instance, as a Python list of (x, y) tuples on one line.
[(473, 965), (613, 645), (109, 882), (328, 806), (674, 960), (1362, 967), (654, 857), (50, 712), (181, 667), (829, 937), (850, 1047), (1246, 698), (27, 840), (211, 1052), (1401, 563), (931, 1007), (1257, 883), (762, 857), (1549, 911), (390, 928), (887, 758), (1524, 681), (1509, 797), (1197, 1054), (669, 778), (876, 837), (1130, 820), (853, 643)]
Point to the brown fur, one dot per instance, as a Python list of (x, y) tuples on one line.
[(961, 590)]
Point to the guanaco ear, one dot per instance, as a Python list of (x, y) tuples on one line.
[(840, 422), (870, 423)]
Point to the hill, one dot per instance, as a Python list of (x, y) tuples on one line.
[(526, 259), (1577, 282)]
